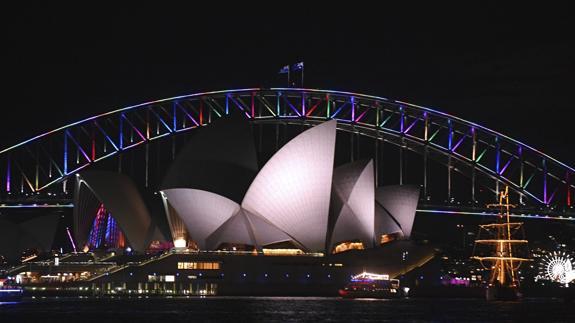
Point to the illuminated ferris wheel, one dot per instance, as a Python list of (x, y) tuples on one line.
[(557, 267)]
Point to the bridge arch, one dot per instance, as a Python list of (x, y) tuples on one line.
[(39, 164)]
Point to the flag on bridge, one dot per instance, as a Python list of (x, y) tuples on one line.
[(284, 70), (298, 66)]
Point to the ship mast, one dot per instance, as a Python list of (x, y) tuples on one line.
[(503, 263)]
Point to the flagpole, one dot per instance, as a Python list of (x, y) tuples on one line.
[(302, 67), (289, 82)]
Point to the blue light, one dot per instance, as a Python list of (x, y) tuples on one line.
[(244, 275), (287, 275), (307, 275), (266, 275)]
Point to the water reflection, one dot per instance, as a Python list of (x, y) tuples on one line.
[(282, 309)]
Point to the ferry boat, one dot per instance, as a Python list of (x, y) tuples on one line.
[(368, 285)]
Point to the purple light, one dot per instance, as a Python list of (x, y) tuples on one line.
[(411, 125), (8, 176), (291, 106), (401, 119), (456, 282), (497, 156), (461, 140), (352, 108), (122, 131), (66, 152), (506, 165), (450, 137), (70, 237), (303, 113)]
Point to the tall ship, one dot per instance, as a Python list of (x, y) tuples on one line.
[(498, 248)]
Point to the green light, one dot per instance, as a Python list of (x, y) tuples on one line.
[(529, 180), (385, 121), (434, 134), (481, 155)]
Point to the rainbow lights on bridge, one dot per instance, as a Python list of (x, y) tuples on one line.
[(42, 165)]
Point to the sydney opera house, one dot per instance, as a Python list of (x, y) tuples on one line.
[(226, 226)]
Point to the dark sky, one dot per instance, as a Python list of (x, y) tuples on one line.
[(505, 68)]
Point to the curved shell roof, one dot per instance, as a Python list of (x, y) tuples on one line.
[(293, 188)]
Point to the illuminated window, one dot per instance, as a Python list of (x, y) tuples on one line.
[(235, 247), (345, 246), (282, 252), (385, 238), (203, 265), (180, 243), (170, 278), (161, 278)]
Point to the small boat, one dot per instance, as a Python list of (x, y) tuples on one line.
[(368, 285)]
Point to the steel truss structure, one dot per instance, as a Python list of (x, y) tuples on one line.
[(42, 165)]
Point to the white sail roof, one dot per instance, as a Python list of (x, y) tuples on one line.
[(353, 199), (246, 228), (399, 203), (292, 190), (202, 212)]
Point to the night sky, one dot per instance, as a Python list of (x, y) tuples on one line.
[(508, 69)]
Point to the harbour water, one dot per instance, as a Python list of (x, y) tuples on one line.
[(283, 309)]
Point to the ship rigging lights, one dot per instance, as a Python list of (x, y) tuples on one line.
[(508, 240)]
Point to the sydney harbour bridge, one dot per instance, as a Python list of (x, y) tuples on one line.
[(461, 166)]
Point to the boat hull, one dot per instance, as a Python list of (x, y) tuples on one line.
[(368, 294), (502, 293)]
